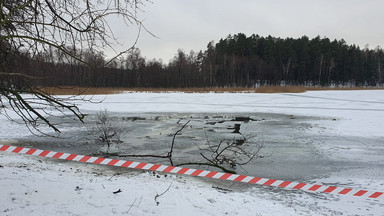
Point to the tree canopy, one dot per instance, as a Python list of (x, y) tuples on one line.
[(234, 61)]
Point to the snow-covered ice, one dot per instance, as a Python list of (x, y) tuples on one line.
[(38, 186)]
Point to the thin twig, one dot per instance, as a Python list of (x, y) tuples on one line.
[(131, 206), (112, 176), (159, 195)]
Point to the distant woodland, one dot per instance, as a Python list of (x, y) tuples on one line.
[(234, 61)]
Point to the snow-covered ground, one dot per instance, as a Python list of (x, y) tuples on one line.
[(34, 186), (38, 186)]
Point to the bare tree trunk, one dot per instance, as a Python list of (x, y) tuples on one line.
[(286, 69), (320, 67), (138, 78), (331, 67)]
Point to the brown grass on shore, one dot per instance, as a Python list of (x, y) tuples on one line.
[(342, 88), (73, 90), (70, 90)]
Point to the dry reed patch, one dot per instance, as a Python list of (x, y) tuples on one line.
[(71, 90), (280, 89)]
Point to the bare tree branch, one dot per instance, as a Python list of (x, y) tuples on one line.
[(31, 27), (173, 141)]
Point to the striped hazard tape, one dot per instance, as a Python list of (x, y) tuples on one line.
[(195, 172)]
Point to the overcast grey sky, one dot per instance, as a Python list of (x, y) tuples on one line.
[(192, 24)]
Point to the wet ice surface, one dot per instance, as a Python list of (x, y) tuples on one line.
[(294, 148)]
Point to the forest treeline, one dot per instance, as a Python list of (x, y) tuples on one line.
[(234, 61)]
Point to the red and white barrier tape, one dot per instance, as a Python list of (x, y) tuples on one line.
[(195, 172)]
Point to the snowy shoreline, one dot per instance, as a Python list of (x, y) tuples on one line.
[(37, 186)]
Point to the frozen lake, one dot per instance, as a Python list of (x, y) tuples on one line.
[(304, 136), (327, 137)]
